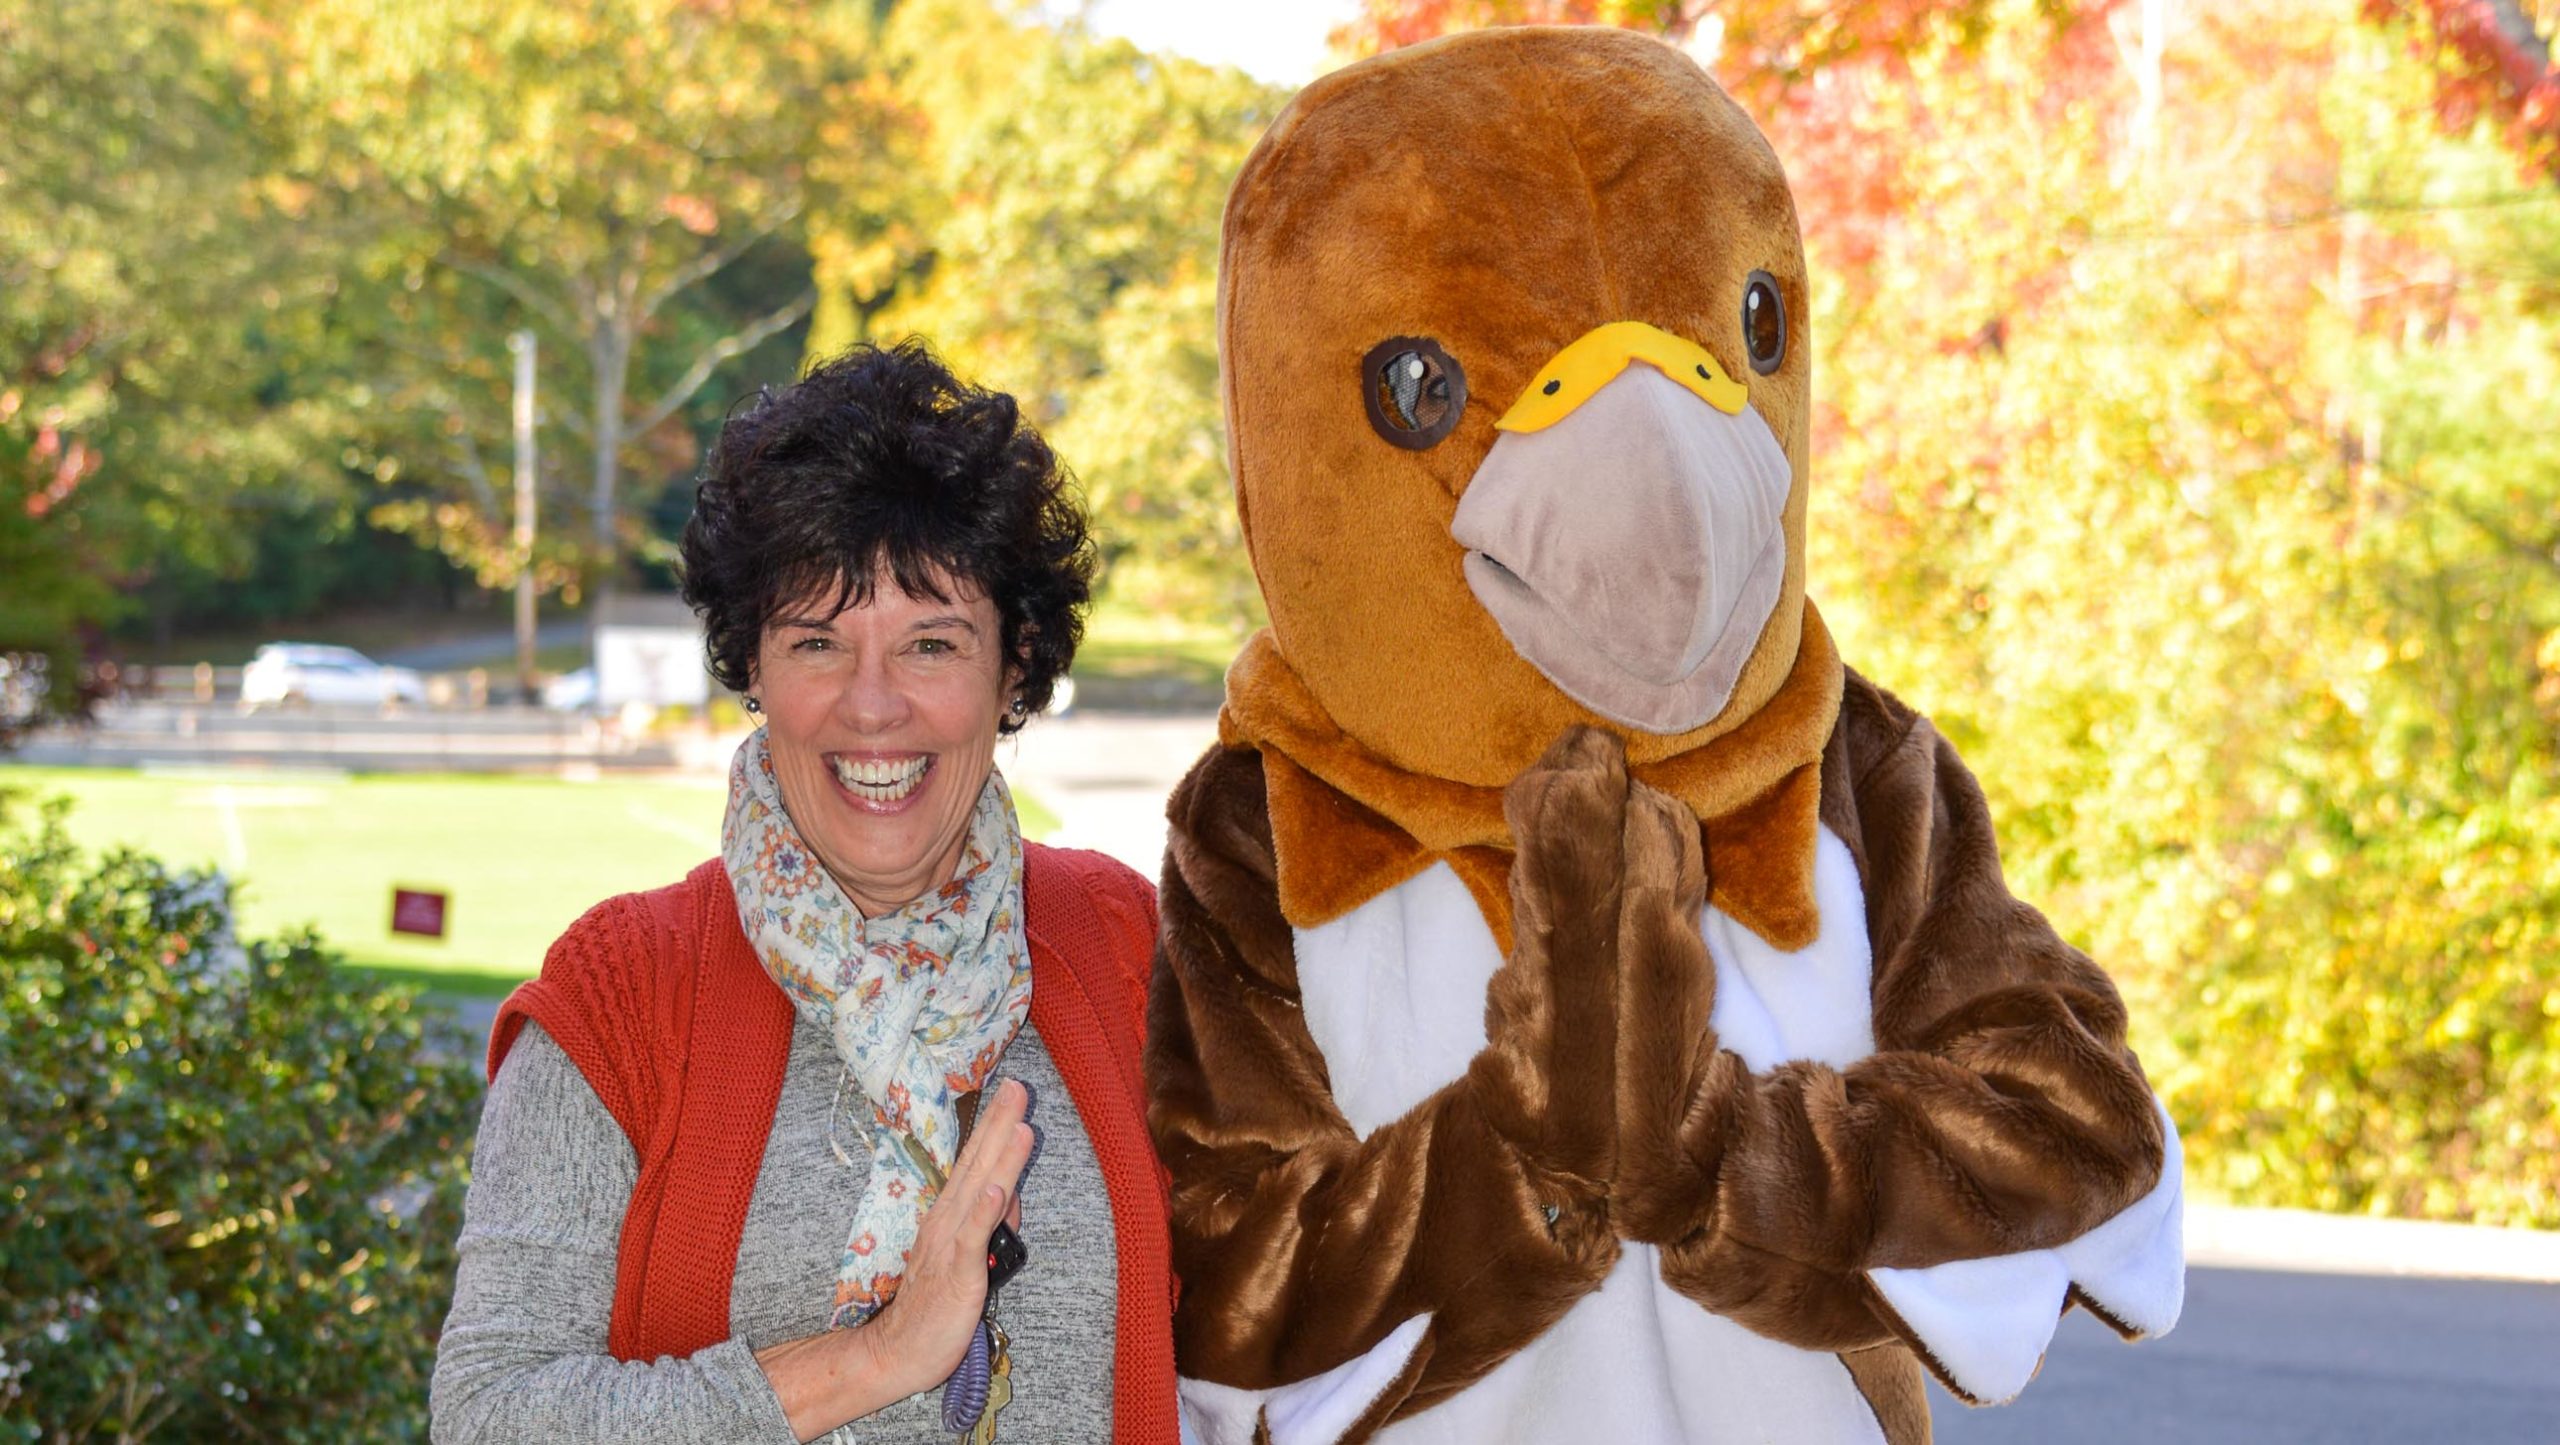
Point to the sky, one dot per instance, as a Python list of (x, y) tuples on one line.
[(1279, 41)]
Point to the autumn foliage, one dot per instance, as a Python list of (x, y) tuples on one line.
[(2493, 62), (2183, 445)]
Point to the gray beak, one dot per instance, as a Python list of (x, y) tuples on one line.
[(1633, 550)]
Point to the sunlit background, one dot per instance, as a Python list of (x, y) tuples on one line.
[(2187, 444)]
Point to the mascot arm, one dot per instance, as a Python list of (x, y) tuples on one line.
[(2001, 1116), (1309, 1253)]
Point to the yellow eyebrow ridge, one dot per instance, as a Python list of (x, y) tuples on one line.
[(1572, 375)]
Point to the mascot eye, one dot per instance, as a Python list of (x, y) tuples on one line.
[(1764, 323), (1414, 389)]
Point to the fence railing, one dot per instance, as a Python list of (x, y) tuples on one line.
[(205, 682)]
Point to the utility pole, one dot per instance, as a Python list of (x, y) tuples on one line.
[(521, 343)]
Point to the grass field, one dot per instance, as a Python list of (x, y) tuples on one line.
[(520, 858)]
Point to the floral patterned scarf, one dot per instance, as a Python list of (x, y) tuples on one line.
[(920, 1002)]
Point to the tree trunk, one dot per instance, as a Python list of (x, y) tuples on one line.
[(612, 355)]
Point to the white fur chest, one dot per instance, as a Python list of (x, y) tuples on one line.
[(1393, 997), (1393, 989)]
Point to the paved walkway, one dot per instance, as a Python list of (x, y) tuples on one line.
[(1107, 777), (2268, 1358)]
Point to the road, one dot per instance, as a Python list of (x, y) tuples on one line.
[(2266, 1358), (501, 737), (494, 650)]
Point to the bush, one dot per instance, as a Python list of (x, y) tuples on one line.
[(234, 1174)]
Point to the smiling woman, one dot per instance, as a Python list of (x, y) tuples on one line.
[(882, 723), (728, 1186)]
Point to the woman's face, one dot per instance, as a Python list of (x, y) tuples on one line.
[(882, 723)]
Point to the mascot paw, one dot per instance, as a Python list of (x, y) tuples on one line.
[(1550, 1062), (1572, 797), (1671, 1097)]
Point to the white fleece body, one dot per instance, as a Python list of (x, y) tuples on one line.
[(1393, 997)]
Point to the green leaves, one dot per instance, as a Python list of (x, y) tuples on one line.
[(234, 1175), (155, 365), (256, 281), (1061, 243)]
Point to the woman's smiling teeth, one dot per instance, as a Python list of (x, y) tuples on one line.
[(881, 780)]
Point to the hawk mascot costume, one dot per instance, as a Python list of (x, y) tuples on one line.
[(1585, 1009)]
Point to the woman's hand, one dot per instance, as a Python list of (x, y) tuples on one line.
[(922, 1333), (917, 1340)]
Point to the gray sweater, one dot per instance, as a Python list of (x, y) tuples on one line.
[(523, 1356)]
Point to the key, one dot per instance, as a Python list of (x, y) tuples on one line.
[(999, 1387)]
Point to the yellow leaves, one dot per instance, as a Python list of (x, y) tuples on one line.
[(289, 195), (695, 213), (222, 1229), (2454, 1025)]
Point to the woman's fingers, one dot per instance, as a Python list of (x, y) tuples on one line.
[(993, 1195), (984, 1177), (1000, 1112)]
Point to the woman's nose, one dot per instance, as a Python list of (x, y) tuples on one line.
[(872, 700)]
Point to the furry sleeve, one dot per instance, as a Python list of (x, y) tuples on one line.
[(1301, 1244), (2001, 1112)]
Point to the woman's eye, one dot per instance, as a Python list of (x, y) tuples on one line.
[(809, 644), (933, 646)]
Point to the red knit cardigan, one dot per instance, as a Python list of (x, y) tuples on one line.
[(659, 1000)]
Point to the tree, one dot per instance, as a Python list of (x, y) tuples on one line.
[(2494, 61), (2178, 449), (163, 375), (1760, 48), (1058, 239), (594, 170)]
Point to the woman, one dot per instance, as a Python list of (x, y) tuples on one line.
[(726, 1186)]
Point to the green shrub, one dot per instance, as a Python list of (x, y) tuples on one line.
[(233, 1173)]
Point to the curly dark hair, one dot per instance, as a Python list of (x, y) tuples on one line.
[(880, 460)]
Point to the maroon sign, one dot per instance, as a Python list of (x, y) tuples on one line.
[(415, 910)]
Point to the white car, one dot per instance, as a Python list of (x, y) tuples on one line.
[(311, 672), (571, 691)]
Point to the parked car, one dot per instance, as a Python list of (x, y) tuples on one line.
[(571, 691), (311, 672)]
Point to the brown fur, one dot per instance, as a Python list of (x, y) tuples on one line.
[(1350, 825), (1300, 1245), (1892, 1382), (2001, 1112)]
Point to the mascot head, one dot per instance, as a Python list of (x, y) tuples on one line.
[(1517, 378), (1517, 381)]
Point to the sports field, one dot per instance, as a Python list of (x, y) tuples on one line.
[(520, 858)]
